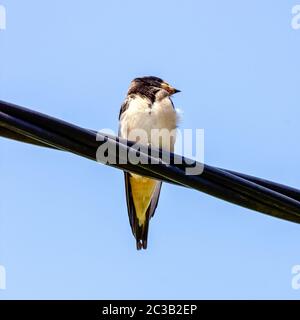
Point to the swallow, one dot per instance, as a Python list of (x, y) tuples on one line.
[(147, 106)]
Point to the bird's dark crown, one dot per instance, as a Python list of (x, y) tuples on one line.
[(149, 86), (149, 81)]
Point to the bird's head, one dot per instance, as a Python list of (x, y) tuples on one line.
[(153, 84)]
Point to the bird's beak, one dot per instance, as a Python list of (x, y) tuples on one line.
[(176, 90), (169, 88)]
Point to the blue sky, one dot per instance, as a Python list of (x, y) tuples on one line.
[(64, 230)]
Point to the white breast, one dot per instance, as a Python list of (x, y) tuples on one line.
[(141, 115)]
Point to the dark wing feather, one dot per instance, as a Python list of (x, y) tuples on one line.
[(130, 205), (124, 107), (154, 201)]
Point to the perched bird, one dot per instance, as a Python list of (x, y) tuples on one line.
[(148, 106)]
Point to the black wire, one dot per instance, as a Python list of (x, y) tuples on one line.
[(283, 189), (48, 131), (286, 190), (173, 174)]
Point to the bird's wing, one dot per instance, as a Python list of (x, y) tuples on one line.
[(155, 198), (129, 201), (124, 107)]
